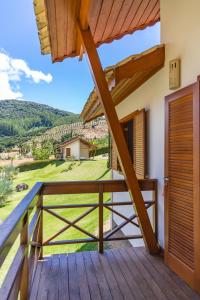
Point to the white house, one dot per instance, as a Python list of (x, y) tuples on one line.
[(77, 148)]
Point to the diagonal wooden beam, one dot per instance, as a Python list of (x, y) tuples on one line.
[(117, 134)]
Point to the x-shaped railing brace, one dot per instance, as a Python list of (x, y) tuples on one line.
[(70, 224)]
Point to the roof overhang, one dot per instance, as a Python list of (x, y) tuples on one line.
[(124, 78), (108, 20), (75, 139)]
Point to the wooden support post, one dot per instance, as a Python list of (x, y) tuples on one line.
[(101, 247), (117, 134), (24, 283)]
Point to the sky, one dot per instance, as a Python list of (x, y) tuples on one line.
[(28, 75)]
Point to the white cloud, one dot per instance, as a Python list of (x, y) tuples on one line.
[(11, 71)]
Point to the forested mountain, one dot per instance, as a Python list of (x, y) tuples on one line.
[(19, 120)]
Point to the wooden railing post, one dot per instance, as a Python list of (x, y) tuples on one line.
[(155, 199), (40, 227), (101, 246), (38, 232), (36, 251), (24, 284)]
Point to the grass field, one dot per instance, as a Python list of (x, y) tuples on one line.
[(60, 171)]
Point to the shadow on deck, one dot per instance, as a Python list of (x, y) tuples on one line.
[(126, 273)]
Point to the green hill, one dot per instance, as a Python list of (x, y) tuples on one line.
[(20, 120)]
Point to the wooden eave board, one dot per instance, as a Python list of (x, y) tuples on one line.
[(108, 20), (122, 89)]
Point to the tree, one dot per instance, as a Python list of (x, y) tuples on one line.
[(43, 152), (67, 136)]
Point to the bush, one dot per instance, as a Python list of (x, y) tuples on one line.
[(7, 175), (102, 150), (5, 189), (10, 172)]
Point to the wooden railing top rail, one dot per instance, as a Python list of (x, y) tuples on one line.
[(92, 186), (10, 229)]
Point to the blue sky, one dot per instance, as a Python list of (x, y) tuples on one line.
[(32, 76)]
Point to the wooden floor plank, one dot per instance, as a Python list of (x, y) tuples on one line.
[(159, 279), (172, 278), (36, 281), (91, 277), (73, 282), (44, 283), (103, 285), (147, 276), (53, 292), (137, 276), (82, 279), (124, 287), (63, 278), (114, 288)]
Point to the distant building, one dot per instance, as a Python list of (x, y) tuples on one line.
[(77, 148)]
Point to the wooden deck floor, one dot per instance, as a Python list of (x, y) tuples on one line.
[(127, 273)]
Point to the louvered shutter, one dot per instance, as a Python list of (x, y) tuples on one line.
[(139, 144)]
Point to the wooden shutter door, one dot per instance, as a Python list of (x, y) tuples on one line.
[(182, 213)]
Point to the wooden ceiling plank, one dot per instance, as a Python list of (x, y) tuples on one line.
[(61, 27), (118, 136), (157, 16), (95, 10), (149, 11), (72, 4), (51, 15), (141, 10), (122, 17), (154, 13), (114, 15), (132, 12), (102, 20)]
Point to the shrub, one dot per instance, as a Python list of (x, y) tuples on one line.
[(102, 150), (5, 189), (7, 175), (10, 172)]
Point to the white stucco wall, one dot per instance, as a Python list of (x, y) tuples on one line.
[(180, 31), (75, 149), (84, 151)]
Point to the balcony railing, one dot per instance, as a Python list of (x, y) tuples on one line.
[(26, 223)]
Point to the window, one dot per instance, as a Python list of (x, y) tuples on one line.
[(134, 128)]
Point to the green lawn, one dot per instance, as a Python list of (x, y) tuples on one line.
[(60, 171)]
